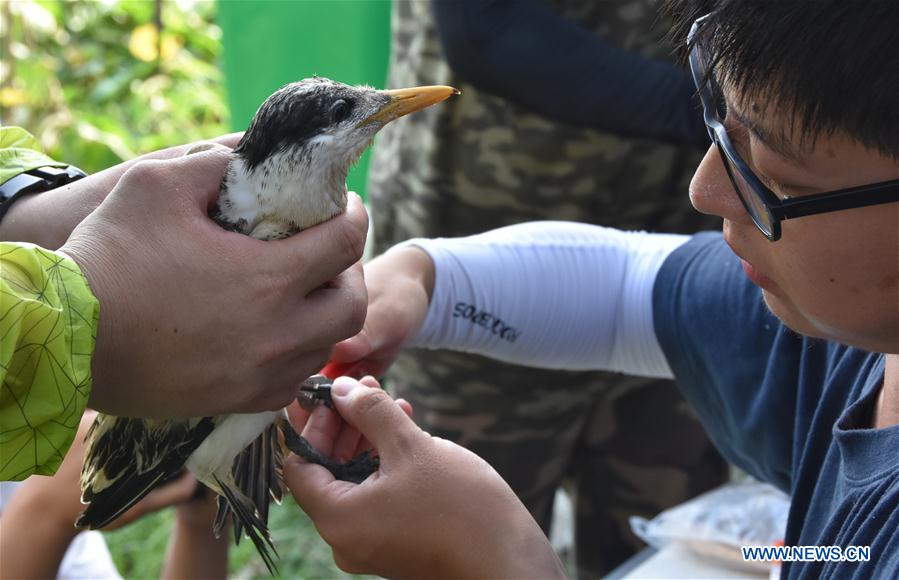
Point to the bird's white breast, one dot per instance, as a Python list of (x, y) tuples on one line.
[(242, 192), (217, 452), (287, 188)]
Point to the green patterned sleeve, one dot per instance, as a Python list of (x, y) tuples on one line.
[(48, 326)]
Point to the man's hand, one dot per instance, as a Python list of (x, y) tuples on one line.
[(196, 320), (400, 284), (48, 218), (433, 509)]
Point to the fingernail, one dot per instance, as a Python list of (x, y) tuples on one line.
[(342, 386)]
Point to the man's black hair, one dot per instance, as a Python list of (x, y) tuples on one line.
[(832, 64)]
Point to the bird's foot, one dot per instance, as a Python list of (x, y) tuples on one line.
[(356, 470), (314, 390)]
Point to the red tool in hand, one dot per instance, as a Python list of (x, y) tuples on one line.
[(334, 369)]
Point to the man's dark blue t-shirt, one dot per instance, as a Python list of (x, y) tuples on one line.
[(790, 410)]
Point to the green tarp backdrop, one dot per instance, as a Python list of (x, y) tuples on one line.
[(269, 43)]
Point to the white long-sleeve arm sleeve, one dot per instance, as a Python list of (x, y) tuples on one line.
[(556, 295)]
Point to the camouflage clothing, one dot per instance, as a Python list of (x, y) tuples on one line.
[(624, 446)]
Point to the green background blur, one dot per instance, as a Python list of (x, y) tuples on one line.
[(268, 44)]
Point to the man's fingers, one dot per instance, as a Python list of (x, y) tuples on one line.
[(370, 382), (345, 448), (323, 251), (353, 349), (278, 383), (202, 171), (298, 416), (357, 356), (312, 486), (338, 309), (195, 179), (365, 446), (406, 406), (375, 414), (229, 140), (363, 354), (350, 441), (322, 429)]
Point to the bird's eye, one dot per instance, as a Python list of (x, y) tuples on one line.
[(339, 110)]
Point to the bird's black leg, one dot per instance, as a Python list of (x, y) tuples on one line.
[(355, 470), (314, 390)]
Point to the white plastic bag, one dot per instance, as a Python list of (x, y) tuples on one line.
[(717, 523)]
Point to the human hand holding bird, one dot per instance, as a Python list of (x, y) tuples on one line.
[(195, 320), (287, 174)]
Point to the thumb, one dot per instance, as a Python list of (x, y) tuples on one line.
[(371, 352), (200, 171), (208, 162), (352, 349), (312, 486), (377, 417)]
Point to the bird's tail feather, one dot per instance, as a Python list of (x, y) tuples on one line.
[(258, 472), (247, 516)]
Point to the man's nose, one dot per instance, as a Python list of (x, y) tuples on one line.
[(712, 192)]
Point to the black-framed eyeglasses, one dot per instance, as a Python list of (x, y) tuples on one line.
[(766, 209)]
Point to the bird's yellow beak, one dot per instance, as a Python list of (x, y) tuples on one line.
[(405, 101)]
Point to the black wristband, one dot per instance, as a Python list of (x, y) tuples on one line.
[(36, 181)]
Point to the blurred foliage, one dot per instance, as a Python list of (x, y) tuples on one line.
[(99, 82)]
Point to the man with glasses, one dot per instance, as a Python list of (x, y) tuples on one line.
[(764, 206), (782, 332)]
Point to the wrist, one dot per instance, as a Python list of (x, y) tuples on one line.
[(521, 551), (100, 278), (533, 556), (25, 221), (417, 266), (26, 213)]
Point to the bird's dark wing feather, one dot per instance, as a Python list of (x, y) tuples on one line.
[(258, 474), (248, 517), (127, 458)]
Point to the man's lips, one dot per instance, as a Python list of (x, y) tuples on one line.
[(757, 277), (751, 272)]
